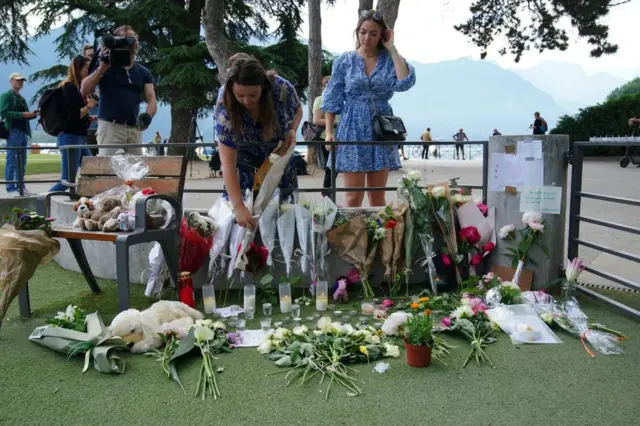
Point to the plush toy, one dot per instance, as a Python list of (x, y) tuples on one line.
[(143, 328), (84, 208), (340, 290), (126, 222), (108, 208)]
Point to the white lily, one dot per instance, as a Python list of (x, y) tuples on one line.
[(203, 334), (70, 311), (574, 267)]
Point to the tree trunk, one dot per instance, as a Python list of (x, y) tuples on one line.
[(180, 129), (315, 52), (364, 5), (219, 46), (389, 10)]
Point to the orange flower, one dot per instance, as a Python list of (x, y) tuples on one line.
[(427, 312), (423, 299), (415, 306)]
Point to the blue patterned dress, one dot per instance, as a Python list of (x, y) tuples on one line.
[(350, 93), (286, 103)]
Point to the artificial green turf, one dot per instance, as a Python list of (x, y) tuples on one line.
[(541, 385), (38, 163)]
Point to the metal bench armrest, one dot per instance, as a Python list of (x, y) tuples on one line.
[(141, 211), (44, 200)]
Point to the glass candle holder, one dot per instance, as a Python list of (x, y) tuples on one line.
[(265, 324), (295, 311), (249, 297), (284, 292), (322, 298), (249, 313), (209, 298), (366, 307), (241, 325), (266, 309)]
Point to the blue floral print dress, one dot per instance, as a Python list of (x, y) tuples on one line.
[(286, 103), (353, 95)]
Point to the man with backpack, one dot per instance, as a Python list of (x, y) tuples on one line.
[(539, 125), (15, 127)]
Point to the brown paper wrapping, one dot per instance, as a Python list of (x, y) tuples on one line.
[(350, 241), (20, 254), (391, 248)]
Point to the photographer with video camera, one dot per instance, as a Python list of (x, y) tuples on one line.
[(122, 82)]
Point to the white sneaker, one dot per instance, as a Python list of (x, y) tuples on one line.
[(14, 194), (27, 193)]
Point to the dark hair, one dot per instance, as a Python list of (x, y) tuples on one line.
[(374, 16), (236, 56), (428, 129), (74, 71), (249, 72)]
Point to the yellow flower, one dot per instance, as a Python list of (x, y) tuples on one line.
[(363, 349), (415, 306), (423, 299)]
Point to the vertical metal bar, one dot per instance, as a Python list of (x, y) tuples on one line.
[(20, 171), (575, 200), (333, 172), (68, 154), (485, 171)]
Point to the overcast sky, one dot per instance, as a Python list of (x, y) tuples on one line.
[(425, 33)]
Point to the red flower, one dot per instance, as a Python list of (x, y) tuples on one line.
[(488, 248), (446, 260), (476, 259), (483, 208), (390, 224), (470, 235), (257, 256)]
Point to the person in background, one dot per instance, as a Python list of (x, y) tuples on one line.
[(121, 90), (89, 51), (258, 112), (460, 137), (539, 125), (362, 83), (15, 114), (496, 132), (320, 121), (427, 139), (401, 148), (157, 140), (78, 110), (634, 121)]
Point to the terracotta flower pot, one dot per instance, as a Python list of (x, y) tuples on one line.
[(418, 356)]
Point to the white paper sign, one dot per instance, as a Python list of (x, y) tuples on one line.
[(252, 338), (514, 170), (543, 199), (530, 150)]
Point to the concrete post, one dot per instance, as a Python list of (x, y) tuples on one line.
[(508, 212)]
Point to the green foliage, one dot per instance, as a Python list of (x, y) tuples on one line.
[(629, 88), (418, 330), (607, 119)]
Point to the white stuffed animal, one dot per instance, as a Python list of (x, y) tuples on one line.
[(126, 222), (143, 328)]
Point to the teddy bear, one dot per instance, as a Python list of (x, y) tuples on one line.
[(84, 208), (126, 222), (144, 328), (104, 217)]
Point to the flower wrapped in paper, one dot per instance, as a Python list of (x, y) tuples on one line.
[(196, 237), (391, 246), (222, 213), (286, 233), (302, 210), (96, 343), (268, 225), (23, 246), (237, 237), (444, 217), (324, 216)]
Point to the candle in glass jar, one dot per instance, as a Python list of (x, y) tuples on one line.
[(285, 304), (249, 303), (367, 308), (322, 301), (209, 304)]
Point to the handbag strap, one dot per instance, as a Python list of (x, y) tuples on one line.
[(375, 110)]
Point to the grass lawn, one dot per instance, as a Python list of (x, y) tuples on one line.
[(38, 163), (531, 385)]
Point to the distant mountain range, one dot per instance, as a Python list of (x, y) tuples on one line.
[(464, 93)]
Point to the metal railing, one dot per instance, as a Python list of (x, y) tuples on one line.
[(576, 218), (333, 190)]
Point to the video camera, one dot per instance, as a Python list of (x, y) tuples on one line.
[(119, 49)]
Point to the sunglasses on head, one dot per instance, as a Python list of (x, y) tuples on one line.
[(373, 14)]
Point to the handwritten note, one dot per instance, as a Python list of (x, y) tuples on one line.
[(530, 150), (543, 199), (515, 171)]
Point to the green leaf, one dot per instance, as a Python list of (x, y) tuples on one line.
[(266, 280), (186, 345), (285, 361), (524, 246)]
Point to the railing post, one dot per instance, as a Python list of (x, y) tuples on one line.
[(333, 172), (485, 171), (20, 171), (575, 200), (68, 154)]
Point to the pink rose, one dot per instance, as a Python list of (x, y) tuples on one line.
[(470, 235), (387, 303), (475, 302), (476, 259), (446, 321), (353, 276), (483, 208), (488, 248), (446, 260)]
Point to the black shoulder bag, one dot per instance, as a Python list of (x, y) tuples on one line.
[(4, 132), (387, 127)]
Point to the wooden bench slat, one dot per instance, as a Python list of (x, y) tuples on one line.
[(89, 186), (69, 231), (159, 166)]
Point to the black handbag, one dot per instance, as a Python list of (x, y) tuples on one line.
[(4, 133), (387, 127), (311, 132)]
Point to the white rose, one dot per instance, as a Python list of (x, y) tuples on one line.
[(392, 351), (438, 191), (465, 301), (281, 333), (510, 284), (265, 347), (347, 330), (335, 328), (460, 199), (207, 322), (317, 333), (531, 217), (318, 212), (324, 323), (505, 231), (273, 158), (414, 176), (218, 324), (375, 339), (300, 330)]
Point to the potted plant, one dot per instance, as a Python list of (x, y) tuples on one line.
[(418, 340)]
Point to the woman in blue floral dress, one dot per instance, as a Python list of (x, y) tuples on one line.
[(362, 83), (257, 112)]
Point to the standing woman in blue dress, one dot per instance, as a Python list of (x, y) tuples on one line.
[(362, 83), (258, 111)]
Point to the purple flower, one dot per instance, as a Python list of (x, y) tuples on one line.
[(234, 338)]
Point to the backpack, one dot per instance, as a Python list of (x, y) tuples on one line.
[(53, 117), (544, 127)]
